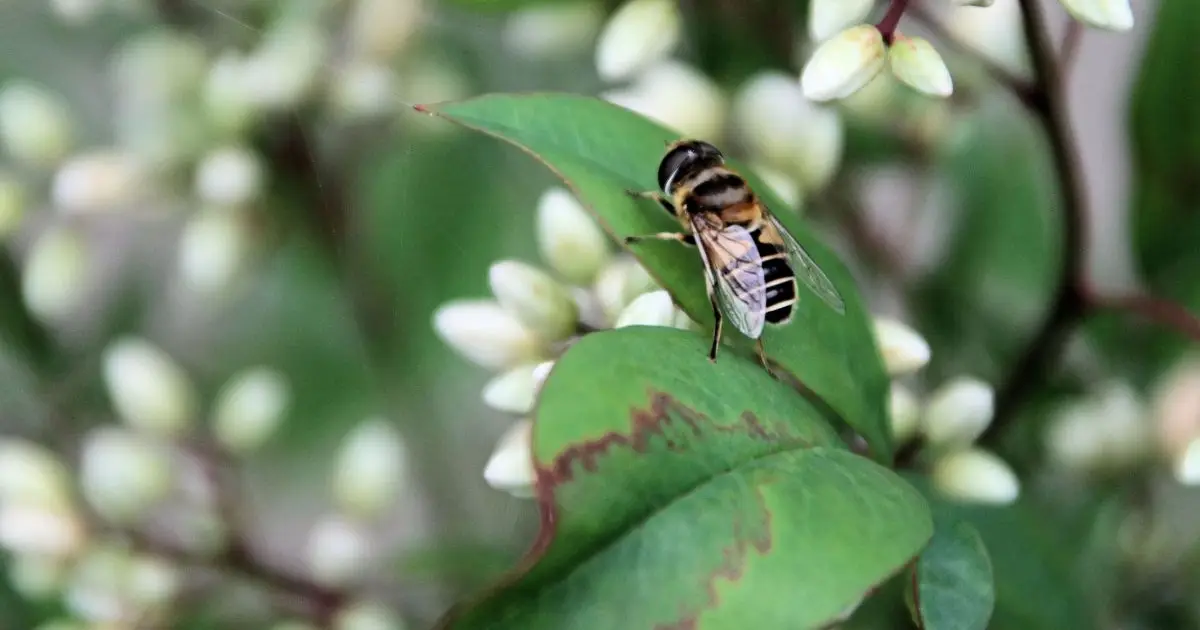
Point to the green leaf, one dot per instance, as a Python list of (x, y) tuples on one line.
[(677, 492), (601, 150), (951, 586)]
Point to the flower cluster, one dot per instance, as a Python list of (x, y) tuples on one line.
[(149, 492)]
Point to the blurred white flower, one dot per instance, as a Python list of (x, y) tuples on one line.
[(151, 581), (379, 29), (1177, 408), (249, 408), (364, 89), (958, 412), (35, 126), (1113, 15), (782, 184), (56, 266), (367, 616), (30, 528), (76, 12), (678, 96), (996, 33), (338, 551), (369, 469), (648, 309), (99, 180), (826, 18), (285, 67), (32, 474), (431, 79), (905, 412), (93, 591), (568, 239), (552, 30), (976, 476), (639, 33), (229, 175), (787, 130), (510, 468), (12, 204), (904, 350), (844, 63), (486, 334), (619, 283), (123, 474), (1109, 429), (538, 300), (149, 390), (213, 248), (1187, 466), (513, 391), (229, 107), (36, 576), (917, 63)]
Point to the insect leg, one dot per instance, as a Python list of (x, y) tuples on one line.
[(656, 196), (716, 341), (662, 236)]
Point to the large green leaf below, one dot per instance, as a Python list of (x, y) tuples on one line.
[(679, 493), (601, 150), (951, 584)]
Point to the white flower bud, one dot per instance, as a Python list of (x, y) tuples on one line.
[(787, 130), (148, 389), (513, 391), (915, 62), (229, 106), (619, 283), (98, 181), (904, 350), (37, 576), (538, 300), (1176, 406), (843, 64), (369, 469), (905, 413), (249, 409), (485, 333), (35, 126), (338, 551), (364, 89), (93, 592), (997, 33), (677, 96), (1187, 465), (29, 528), (639, 33), (213, 247), (151, 582), (52, 281), (431, 79), (1105, 431), (568, 239), (32, 474), (958, 412), (826, 18), (12, 204), (378, 29), (367, 616), (229, 176), (649, 309), (976, 476), (510, 468), (76, 12), (1112, 15), (124, 474), (552, 30), (284, 69), (683, 322)]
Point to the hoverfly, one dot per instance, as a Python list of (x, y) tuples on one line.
[(750, 260)]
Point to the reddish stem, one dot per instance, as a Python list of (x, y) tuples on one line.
[(891, 20)]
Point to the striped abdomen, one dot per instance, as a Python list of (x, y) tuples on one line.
[(780, 281)]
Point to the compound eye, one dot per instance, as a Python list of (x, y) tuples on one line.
[(676, 161)]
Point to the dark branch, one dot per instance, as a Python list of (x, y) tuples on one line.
[(1162, 312), (891, 20)]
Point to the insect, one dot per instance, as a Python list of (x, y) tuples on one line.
[(750, 260)]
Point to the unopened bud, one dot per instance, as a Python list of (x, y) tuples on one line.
[(844, 63), (381, 28), (285, 67), (510, 468), (639, 33), (32, 474), (677, 96), (99, 180), (649, 309), (124, 474), (364, 89), (826, 18), (151, 581), (552, 30), (229, 176), (1105, 431), (904, 350), (917, 63), (369, 469), (538, 300), (227, 102), (93, 592), (976, 476), (12, 204), (338, 551), (619, 283), (37, 576), (148, 389), (29, 528), (512, 391), (905, 413), (1112, 15), (568, 238), (213, 248), (35, 126), (367, 616), (249, 408), (485, 333), (958, 412), (52, 281)]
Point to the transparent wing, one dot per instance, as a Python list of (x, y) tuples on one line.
[(806, 268), (735, 271)]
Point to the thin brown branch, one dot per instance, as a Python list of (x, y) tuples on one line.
[(891, 20), (1162, 312)]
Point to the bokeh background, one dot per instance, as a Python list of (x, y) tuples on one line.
[(298, 214)]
